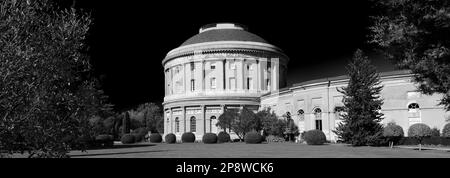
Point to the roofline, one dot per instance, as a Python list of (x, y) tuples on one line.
[(341, 78), (192, 49)]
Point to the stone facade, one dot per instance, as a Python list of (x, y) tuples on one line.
[(316, 104), (225, 67), (204, 79)]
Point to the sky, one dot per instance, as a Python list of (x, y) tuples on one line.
[(129, 39)]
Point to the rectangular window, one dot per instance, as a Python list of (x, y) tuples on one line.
[(192, 85), (213, 83), (213, 66), (232, 65), (192, 66), (232, 83), (249, 83)]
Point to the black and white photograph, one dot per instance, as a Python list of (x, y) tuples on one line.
[(221, 87)]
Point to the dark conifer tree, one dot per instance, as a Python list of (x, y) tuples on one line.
[(361, 121)]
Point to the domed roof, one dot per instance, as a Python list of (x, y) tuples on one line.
[(223, 32)]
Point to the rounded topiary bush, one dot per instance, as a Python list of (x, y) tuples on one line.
[(209, 138), (188, 137), (128, 139), (315, 137), (446, 130), (435, 132), (419, 131), (155, 138), (223, 137), (393, 132), (253, 137), (170, 138), (140, 133)]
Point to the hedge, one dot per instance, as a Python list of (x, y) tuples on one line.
[(188, 137), (209, 138), (170, 138), (223, 137), (128, 139), (253, 137), (315, 137), (155, 138)]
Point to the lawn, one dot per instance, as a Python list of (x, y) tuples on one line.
[(242, 150)]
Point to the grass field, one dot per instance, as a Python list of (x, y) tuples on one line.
[(242, 150)]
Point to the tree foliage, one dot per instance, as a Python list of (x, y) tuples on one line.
[(47, 88), (360, 125), (226, 119), (415, 34)]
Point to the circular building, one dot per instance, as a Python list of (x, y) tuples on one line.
[(222, 67)]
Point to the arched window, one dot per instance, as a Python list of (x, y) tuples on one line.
[(177, 125), (193, 124), (212, 120), (301, 114), (414, 110), (318, 118)]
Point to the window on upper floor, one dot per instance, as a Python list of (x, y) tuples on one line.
[(232, 65), (213, 83), (414, 110), (192, 85), (192, 66), (213, 66)]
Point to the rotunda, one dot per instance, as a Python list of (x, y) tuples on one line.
[(223, 67)]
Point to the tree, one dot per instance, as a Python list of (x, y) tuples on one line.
[(290, 129), (414, 34), (153, 119), (266, 121), (244, 122), (360, 125), (226, 119), (48, 91)]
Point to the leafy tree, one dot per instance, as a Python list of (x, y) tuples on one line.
[(47, 88), (415, 35), (152, 117), (266, 121), (360, 125), (244, 122), (290, 129), (226, 119)]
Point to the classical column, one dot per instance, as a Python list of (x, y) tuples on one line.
[(240, 74), (202, 128), (203, 75), (275, 73), (258, 76), (183, 110)]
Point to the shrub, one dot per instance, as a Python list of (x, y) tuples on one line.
[(419, 131), (140, 133), (315, 137), (209, 138), (128, 139), (188, 137), (393, 132), (223, 137), (446, 130), (155, 138), (273, 138), (435, 132), (170, 138), (104, 140), (253, 137)]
